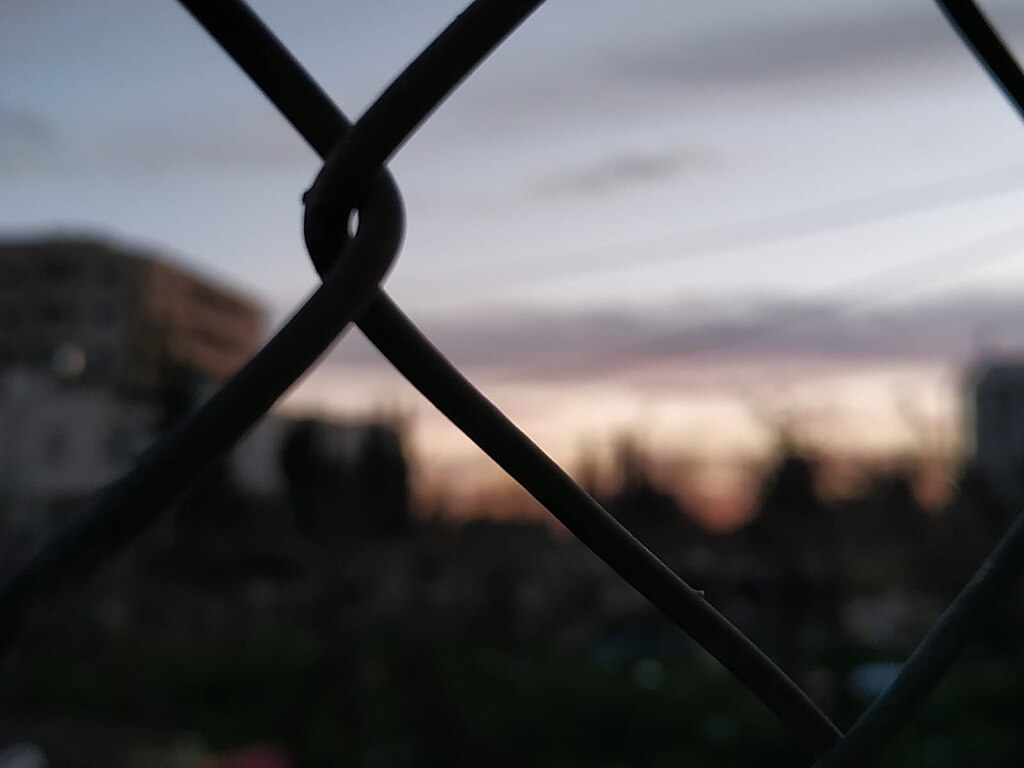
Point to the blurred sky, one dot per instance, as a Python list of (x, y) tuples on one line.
[(647, 160)]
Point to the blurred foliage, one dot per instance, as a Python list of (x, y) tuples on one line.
[(390, 699), (442, 675)]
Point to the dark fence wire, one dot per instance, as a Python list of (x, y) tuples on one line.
[(354, 179), (931, 660)]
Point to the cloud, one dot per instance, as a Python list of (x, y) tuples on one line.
[(21, 128), (23, 136), (265, 143), (629, 168), (953, 330), (549, 346), (143, 147), (798, 44)]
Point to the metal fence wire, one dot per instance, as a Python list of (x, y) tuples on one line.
[(355, 179)]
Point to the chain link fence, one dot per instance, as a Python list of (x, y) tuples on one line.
[(353, 229)]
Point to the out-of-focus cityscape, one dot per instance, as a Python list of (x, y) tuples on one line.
[(306, 604), (749, 271)]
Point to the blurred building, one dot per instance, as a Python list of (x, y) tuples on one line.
[(60, 443), (343, 479), (291, 482), (103, 348), (129, 320), (996, 418), (258, 460)]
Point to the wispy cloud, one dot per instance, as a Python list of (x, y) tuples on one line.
[(628, 168), (551, 346), (23, 137), (791, 46), (21, 127)]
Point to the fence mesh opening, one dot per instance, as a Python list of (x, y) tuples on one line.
[(353, 262)]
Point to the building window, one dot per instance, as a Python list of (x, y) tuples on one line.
[(11, 277), (101, 362), (56, 314), (110, 275), (106, 315), (55, 448), (58, 270), (119, 444)]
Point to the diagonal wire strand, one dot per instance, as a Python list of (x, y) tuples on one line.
[(735, 331), (994, 55), (938, 651), (403, 344), (354, 178), (397, 113), (123, 510)]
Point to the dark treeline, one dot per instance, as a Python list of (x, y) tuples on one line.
[(342, 625)]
